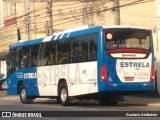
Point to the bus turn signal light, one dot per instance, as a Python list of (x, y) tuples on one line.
[(104, 75), (152, 75)]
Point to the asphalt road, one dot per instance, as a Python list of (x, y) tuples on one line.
[(93, 110)]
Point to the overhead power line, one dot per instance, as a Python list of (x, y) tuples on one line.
[(69, 13), (107, 9), (80, 16)]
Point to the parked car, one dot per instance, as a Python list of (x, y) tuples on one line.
[(3, 84)]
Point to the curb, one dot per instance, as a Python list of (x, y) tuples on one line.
[(141, 104), (153, 104), (143, 101)]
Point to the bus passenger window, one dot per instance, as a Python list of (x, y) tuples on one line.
[(50, 59), (24, 57), (24, 61), (63, 51), (80, 49), (34, 55), (93, 47), (50, 53)]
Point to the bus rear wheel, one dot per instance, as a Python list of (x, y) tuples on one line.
[(23, 97), (63, 94)]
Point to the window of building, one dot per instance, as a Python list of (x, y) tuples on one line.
[(9, 8)]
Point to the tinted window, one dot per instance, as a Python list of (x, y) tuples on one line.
[(84, 48), (24, 57), (93, 47), (50, 53), (34, 56), (63, 51), (80, 48), (12, 61), (127, 38)]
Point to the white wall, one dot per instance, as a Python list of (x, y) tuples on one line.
[(3, 68), (158, 49), (1, 13)]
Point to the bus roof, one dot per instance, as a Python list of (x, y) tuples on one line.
[(55, 36), (125, 26), (68, 33)]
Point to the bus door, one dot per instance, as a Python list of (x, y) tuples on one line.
[(11, 68), (24, 69)]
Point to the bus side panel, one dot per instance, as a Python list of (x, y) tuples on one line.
[(81, 78), (30, 81), (27, 77), (100, 59), (12, 85), (46, 80)]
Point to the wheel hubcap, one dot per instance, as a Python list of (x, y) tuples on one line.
[(63, 94), (23, 94)]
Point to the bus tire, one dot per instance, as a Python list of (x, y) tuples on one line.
[(24, 99), (63, 94)]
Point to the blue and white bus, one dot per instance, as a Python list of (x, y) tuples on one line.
[(100, 62)]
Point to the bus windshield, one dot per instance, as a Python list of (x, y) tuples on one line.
[(117, 39)]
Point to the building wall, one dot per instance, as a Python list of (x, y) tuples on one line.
[(1, 13), (8, 33), (72, 13), (8, 8), (140, 14), (158, 42), (75, 13)]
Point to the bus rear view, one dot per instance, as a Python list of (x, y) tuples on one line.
[(127, 63)]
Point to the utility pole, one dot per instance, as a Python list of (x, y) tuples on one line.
[(27, 4), (50, 23), (116, 11), (85, 17)]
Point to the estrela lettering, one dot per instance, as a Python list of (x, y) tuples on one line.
[(30, 75), (134, 64)]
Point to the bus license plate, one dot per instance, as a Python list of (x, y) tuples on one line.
[(129, 78)]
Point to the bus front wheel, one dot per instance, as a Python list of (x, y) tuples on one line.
[(63, 94), (23, 97)]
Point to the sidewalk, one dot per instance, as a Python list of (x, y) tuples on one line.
[(146, 101)]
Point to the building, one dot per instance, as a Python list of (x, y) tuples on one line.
[(73, 13)]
